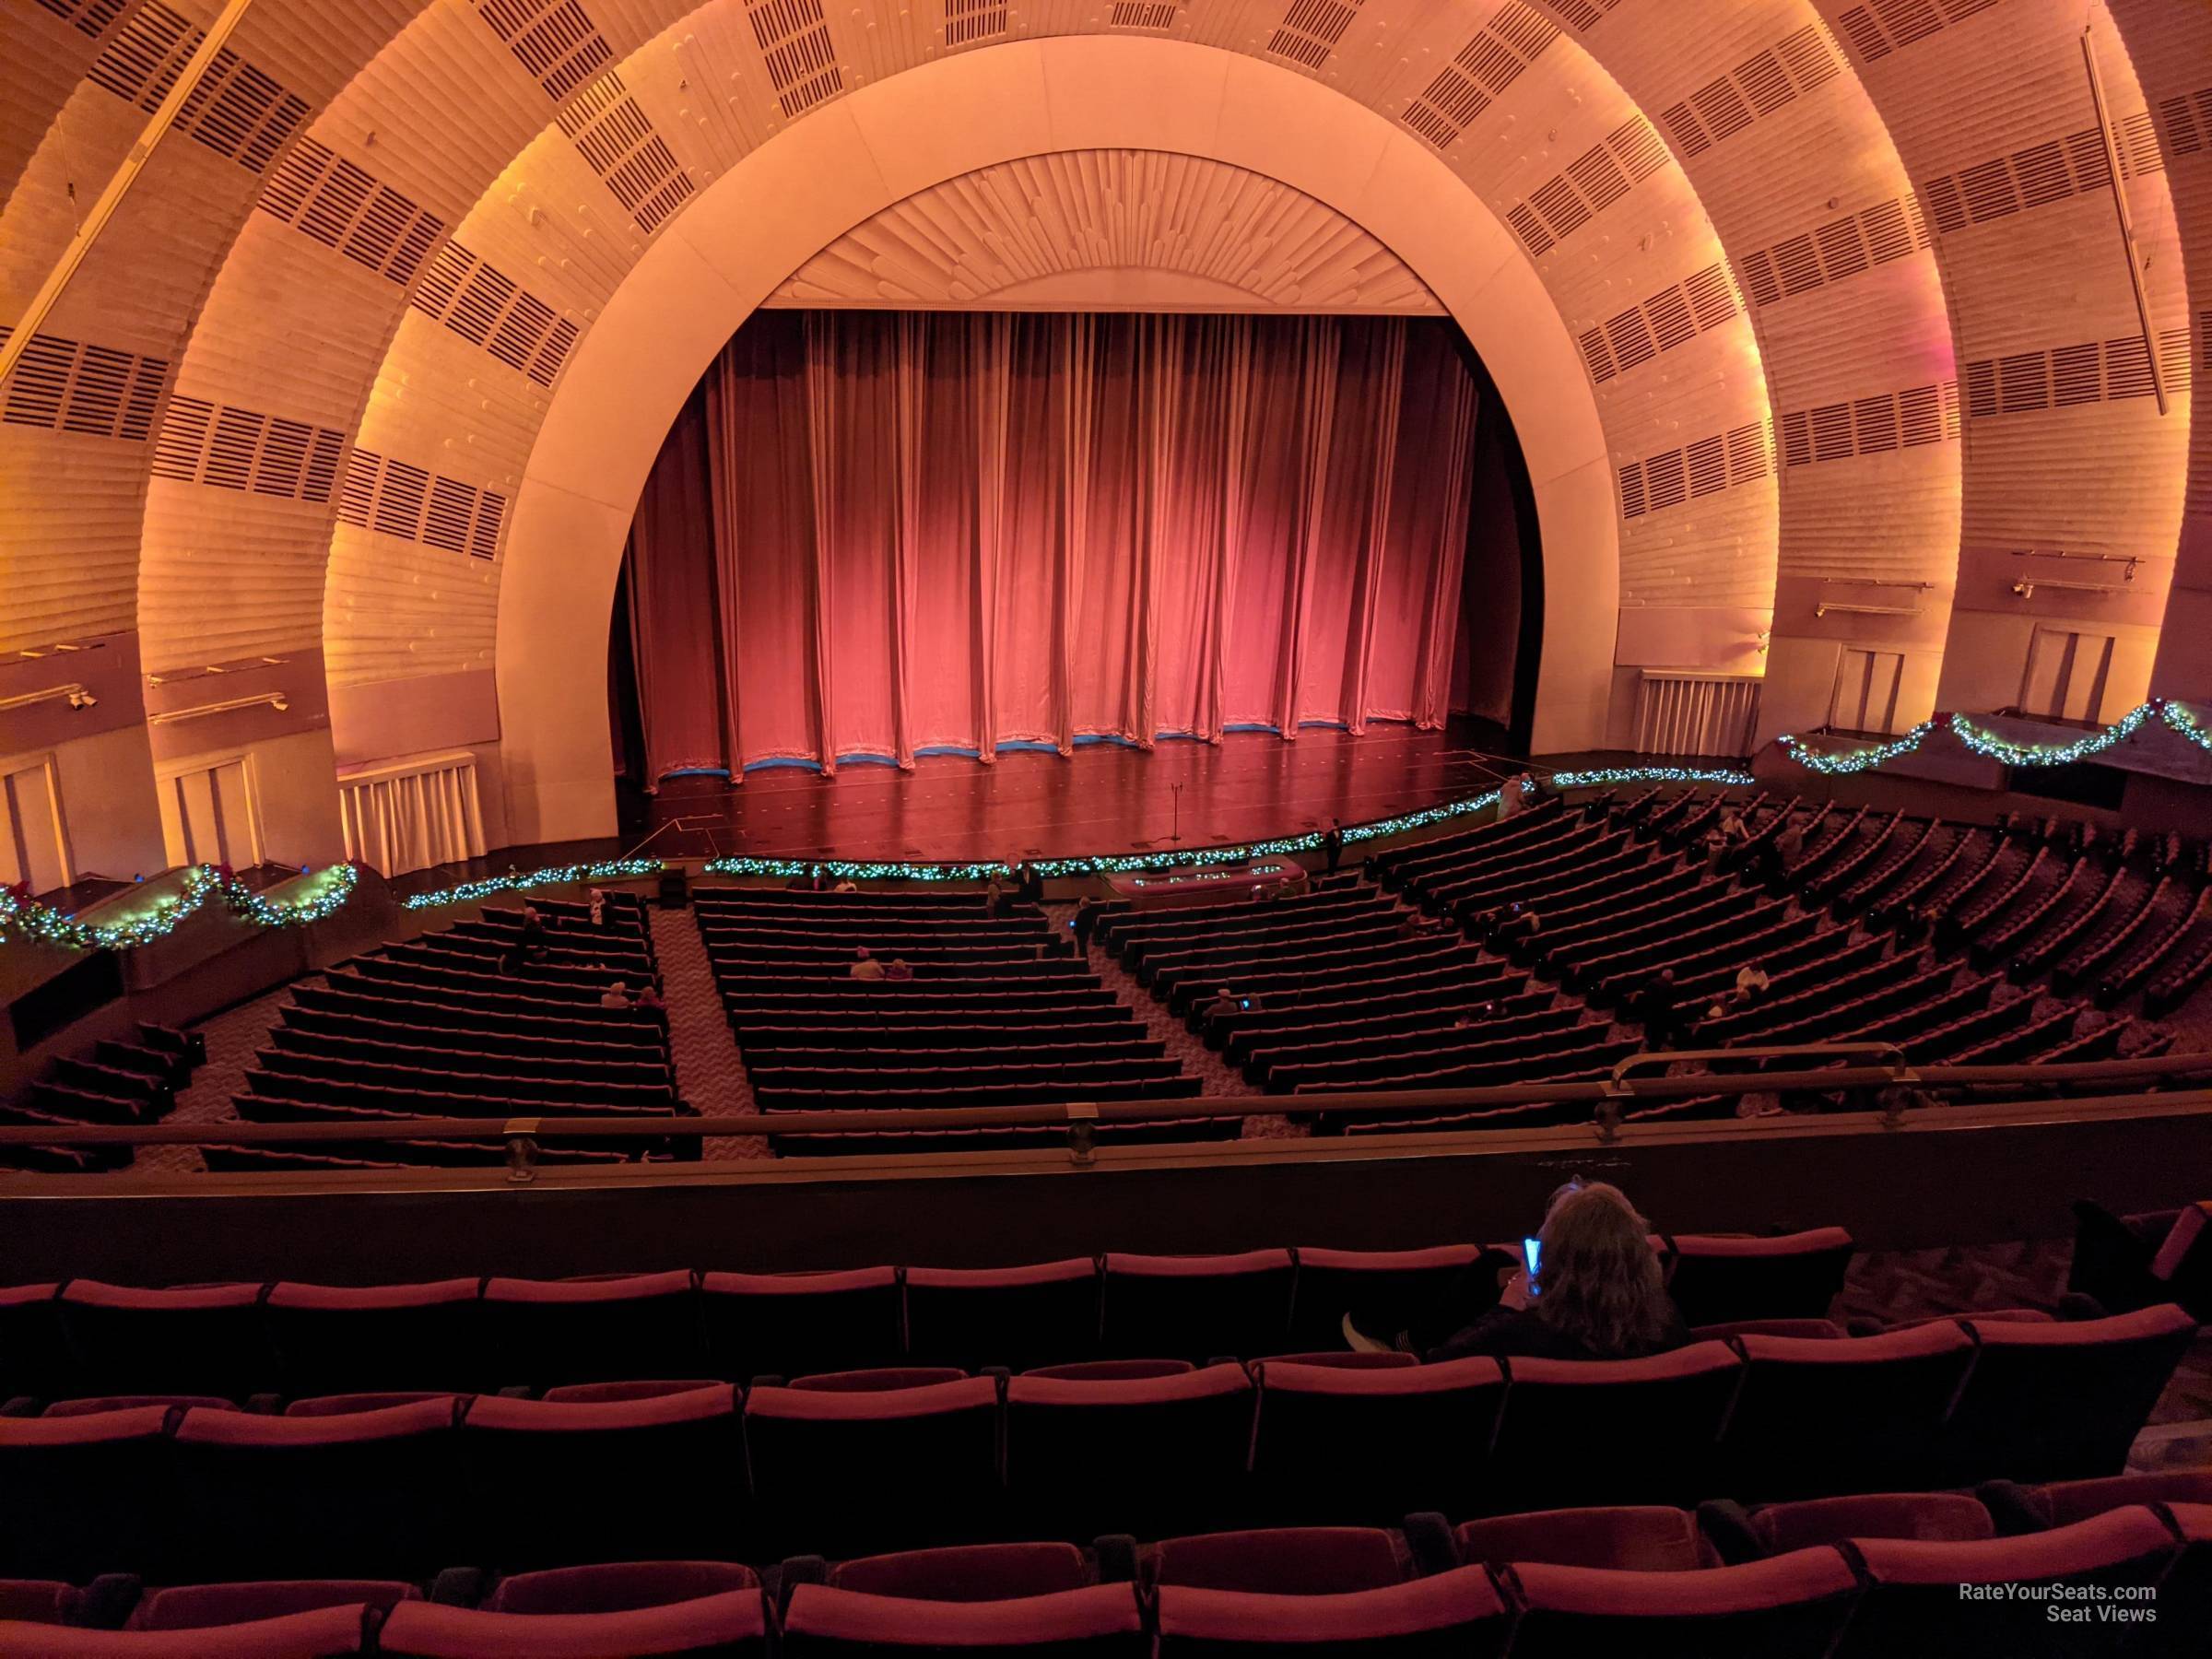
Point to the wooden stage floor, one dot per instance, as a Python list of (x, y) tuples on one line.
[(1103, 798)]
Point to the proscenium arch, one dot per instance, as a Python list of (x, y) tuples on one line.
[(821, 177)]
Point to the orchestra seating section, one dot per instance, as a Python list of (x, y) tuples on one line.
[(1523, 947), (999, 1011), (1078, 1450), (452, 1025)]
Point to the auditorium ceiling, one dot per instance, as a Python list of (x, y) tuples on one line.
[(1817, 320)]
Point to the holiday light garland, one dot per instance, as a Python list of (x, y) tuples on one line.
[(1992, 745), (24, 917), (468, 892)]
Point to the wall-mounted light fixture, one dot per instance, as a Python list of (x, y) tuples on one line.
[(75, 695), (275, 699)]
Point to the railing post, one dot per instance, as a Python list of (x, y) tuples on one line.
[(1608, 1121), (1082, 1133), (522, 1150)]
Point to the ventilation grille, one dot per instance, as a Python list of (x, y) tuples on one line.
[(618, 144), (1704, 468), (391, 497), (1881, 27), (1563, 203), (553, 39), (802, 65), (1721, 109), (1871, 426), (89, 16), (1480, 72), (1836, 251), (488, 308), (239, 112), (1581, 14), (1691, 713), (968, 21), (2064, 376), (94, 391), (2035, 177), (1669, 318), (321, 194), (203, 442), (2187, 121), (1310, 30), (1142, 14)]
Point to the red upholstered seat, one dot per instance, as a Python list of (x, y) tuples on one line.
[(733, 1623), (1789, 1607), (2061, 1402), (1392, 1289), (1914, 1603), (1455, 1614), (1932, 1517), (1372, 1446), (840, 1474), (1017, 1317), (967, 1573), (73, 1493), (322, 1635), (362, 1494), (1102, 1621), (1197, 1307), (1637, 1537), (197, 1606), (1813, 1329), (1112, 1370), (1795, 1275), (34, 1359), (549, 1332), (1348, 1359), (554, 1483), (1291, 1561), (879, 1378), (1150, 1456), (617, 1588), (205, 1339), (1818, 1415), (642, 1388), (2065, 1501), (339, 1405), (1580, 1431), (334, 1339), (760, 1324), (40, 1601), (99, 1403)]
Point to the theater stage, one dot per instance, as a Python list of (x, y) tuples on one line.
[(1103, 798)]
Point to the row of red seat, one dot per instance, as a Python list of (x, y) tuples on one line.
[(234, 1340), (695, 1470), (1881, 1578)]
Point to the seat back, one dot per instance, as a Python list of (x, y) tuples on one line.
[(369, 1493), (346, 1339), (1197, 1307), (1102, 1621), (1390, 1289), (618, 1588), (2061, 1402), (554, 1484), (207, 1339), (759, 1324), (852, 1473), (1454, 1615), (323, 1633), (729, 1625), (2065, 1501), (34, 1357), (1148, 1456), (1919, 1595), (967, 1573), (1795, 1275), (1790, 1608), (197, 1606), (1820, 1415), (1334, 1444), (1632, 1537), (546, 1332), (1585, 1431), (84, 1495), (1934, 1517), (1046, 1314), (1288, 1560)]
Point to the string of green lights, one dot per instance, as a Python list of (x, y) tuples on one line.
[(1992, 745), (23, 917)]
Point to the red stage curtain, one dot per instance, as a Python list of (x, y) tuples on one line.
[(875, 533)]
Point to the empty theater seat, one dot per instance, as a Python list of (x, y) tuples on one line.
[(1627, 1431), (1391, 1289), (1640, 1537), (323, 1633), (74, 1494), (617, 1588), (202, 1340), (963, 1572), (1146, 1456), (757, 1325), (1334, 1444), (346, 1338), (1102, 1621), (1196, 1307), (1458, 1613), (1773, 1529), (1295, 1560), (734, 1623), (1792, 1607), (591, 1329), (1796, 1276), (1017, 1317), (198, 1606)]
